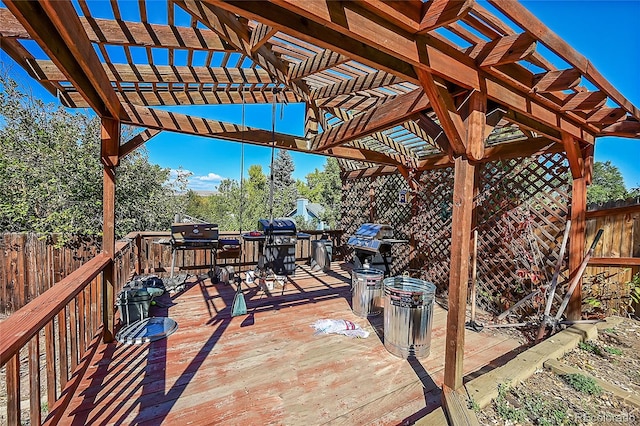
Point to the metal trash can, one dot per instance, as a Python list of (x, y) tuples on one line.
[(408, 315), (321, 253), (367, 292)]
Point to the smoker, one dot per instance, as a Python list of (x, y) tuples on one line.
[(372, 246), (277, 242), (191, 236)]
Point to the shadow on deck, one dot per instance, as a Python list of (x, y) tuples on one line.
[(268, 366)]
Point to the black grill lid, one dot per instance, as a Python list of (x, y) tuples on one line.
[(277, 226)]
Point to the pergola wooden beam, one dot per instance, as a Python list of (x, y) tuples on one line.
[(627, 129), (504, 50), (319, 62), (360, 37), (136, 141), (130, 73), (444, 107), (180, 123), (364, 82), (180, 96), (383, 117), (556, 81), (438, 13), (518, 13), (58, 30), (126, 33), (503, 151)]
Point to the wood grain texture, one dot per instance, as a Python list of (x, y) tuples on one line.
[(267, 367)]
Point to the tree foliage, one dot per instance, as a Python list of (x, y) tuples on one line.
[(607, 184), (322, 186), (284, 188), (51, 175)]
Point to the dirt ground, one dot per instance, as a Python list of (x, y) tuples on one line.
[(548, 399)]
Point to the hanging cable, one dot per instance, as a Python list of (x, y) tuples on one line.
[(242, 163), (273, 144)]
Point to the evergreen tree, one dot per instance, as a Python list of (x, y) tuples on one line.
[(284, 188)]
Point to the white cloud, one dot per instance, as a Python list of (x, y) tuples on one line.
[(208, 178), (208, 182)]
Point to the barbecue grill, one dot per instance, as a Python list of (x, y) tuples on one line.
[(277, 242), (372, 245), (191, 236)]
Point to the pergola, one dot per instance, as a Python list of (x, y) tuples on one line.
[(389, 87)]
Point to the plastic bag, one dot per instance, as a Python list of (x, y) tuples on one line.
[(346, 327)]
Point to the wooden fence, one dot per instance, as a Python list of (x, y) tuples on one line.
[(32, 263), (607, 280)]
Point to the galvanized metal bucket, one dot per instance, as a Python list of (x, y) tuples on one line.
[(408, 315), (367, 292)]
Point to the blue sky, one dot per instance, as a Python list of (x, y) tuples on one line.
[(605, 31)]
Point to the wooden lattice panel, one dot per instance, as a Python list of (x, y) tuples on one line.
[(521, 216), (387, 210), (431, 225), (522, 211)]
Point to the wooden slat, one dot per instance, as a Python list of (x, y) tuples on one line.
[(504, 50), (556, 81), (63, 353), (50, 356), (392, 113), (614, 261), (34, 381), (141, 73), (21, 326), (533, 25), (364, 82), (260, 35), (58, 30), (317, 63), (438, 13), (13, 389)]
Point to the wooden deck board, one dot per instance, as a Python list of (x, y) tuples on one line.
[(268, 367)]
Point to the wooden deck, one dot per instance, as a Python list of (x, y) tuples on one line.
[(268, 367)]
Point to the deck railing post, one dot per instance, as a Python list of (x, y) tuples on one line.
[(109, 155)]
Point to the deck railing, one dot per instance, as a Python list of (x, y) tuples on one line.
[(46, 345), (152, 257)]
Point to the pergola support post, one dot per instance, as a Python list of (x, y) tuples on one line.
[(577, 242), (575, 156), (463, 189), (110, 135)]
